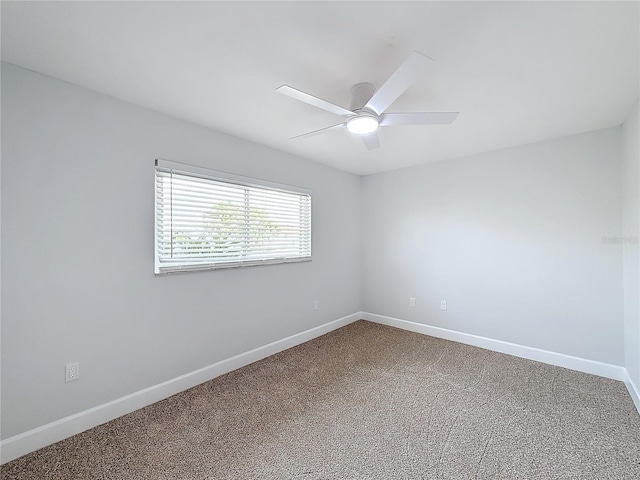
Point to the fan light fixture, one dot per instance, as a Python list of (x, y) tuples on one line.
[(362, 124)]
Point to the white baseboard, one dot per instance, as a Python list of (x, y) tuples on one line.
[(633, 391), (552, 358), (39, 437)]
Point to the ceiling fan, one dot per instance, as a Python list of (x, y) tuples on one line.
[(368, 106)]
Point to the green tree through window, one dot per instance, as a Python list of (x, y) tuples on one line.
[(225, 231)]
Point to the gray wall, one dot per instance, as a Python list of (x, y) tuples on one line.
[(631, 233), (77, 253), (512, 240)]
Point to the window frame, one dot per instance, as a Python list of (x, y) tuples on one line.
[(234, 180)]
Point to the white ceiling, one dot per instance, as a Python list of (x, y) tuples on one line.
[(518, 72)]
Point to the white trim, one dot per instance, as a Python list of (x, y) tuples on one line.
[(39, 437), (552, 358), (226, 177), (634, 391)]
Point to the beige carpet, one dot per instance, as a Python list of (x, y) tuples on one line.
[(366, 402)]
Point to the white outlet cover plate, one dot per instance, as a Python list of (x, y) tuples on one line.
[(443, 305), (72, 372)]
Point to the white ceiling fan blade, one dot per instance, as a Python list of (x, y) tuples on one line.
[(398, 82), (371, 141), (315, 101), (423, 118), (318, 132)]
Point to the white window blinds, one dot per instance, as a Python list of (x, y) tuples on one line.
[(207, 219)]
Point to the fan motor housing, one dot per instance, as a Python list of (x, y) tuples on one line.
[(361, 93)]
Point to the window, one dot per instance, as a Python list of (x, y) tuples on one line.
[(207, 219)]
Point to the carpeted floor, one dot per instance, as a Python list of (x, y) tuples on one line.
[(366, 402)]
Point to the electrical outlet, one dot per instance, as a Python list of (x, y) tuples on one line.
[(72, 372), (412, 301), (316, 304), (443, 304)]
